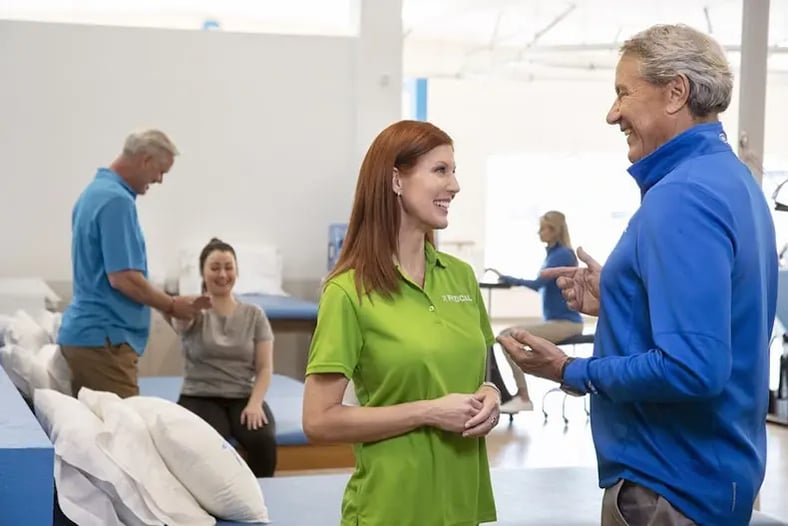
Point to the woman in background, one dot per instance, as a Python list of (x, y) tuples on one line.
[(407, 324), (229, 362), (559, 321)]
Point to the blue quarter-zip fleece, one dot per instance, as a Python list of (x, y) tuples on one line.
[(553, 303), (679, 375)]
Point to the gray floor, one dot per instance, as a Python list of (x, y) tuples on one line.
[(524, 497)]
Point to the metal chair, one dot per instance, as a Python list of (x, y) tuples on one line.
[(573, 341)]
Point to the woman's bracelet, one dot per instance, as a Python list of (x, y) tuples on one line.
[(490, 384)]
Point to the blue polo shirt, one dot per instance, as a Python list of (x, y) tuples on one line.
[(106, 238)]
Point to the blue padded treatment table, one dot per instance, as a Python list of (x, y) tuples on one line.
[(279, 307), (532, 497), (284, 397), (27, 462)]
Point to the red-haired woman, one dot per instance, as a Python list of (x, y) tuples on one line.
[(407, 324)]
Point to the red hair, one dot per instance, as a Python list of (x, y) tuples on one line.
[(372, 233)]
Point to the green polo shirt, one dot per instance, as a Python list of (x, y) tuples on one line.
[(420, 345)]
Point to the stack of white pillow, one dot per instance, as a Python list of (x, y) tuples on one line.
[(143, 461), (29, 353), (139, 461)]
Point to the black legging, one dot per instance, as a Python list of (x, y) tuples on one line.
[(224, 415)]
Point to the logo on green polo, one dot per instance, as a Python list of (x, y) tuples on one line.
[(456, 298)]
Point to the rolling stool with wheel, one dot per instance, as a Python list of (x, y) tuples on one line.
[(573, 341)]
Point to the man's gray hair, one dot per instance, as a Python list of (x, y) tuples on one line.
[(667, 51), (153, 142)]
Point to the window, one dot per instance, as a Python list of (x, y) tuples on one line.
[(593, 190), (775, 172), (598, 197)]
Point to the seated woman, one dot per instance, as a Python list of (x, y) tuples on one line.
[(559, 321), (229, 362)]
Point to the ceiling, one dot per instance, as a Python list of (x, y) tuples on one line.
[(560, 38), (575, 22)]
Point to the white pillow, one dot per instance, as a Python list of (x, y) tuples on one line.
[(202, 460), (260, 269), (18, 365), (49, 370), (24, 331), (50, 322), (24, 337), (57, 321), (126, 440), (28, 369), (96, 400), (57, 368), (38, 377), (80, 500), (5, 321), (72, 428)]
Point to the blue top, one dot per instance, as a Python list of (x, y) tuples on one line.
[(679, 374), (106, 238), (553, 303)]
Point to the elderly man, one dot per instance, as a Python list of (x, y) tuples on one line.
[(105, 328), (686, 302)]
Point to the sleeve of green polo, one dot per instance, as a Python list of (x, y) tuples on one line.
[(484, 318), (337, 341)]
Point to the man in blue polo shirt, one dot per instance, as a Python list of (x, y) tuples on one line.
[(686, 302), (105, 328)]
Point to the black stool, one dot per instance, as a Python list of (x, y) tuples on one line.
[(573, 341)]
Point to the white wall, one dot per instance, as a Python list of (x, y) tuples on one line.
[(487, 117), (265, 124)]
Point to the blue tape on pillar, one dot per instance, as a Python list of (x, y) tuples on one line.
[(420, 100)]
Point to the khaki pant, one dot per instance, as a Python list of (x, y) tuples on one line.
[(554, 331), (629, 504), (110, 368)]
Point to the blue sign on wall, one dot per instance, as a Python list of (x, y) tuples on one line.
[(336, 236)]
